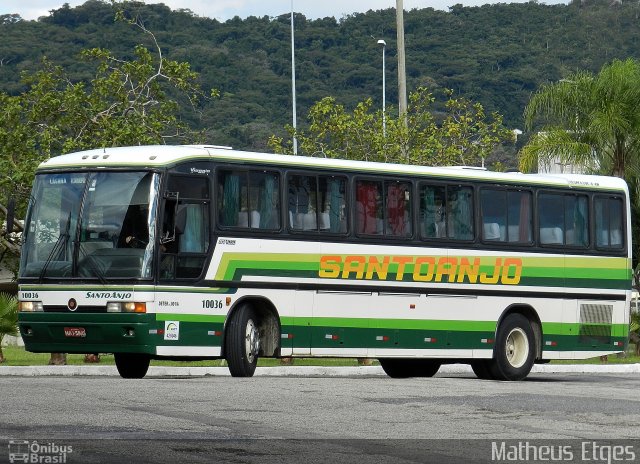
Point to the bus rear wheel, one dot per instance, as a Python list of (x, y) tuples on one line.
[(132, 365), (405, 368), (514, 352), (242, 342)]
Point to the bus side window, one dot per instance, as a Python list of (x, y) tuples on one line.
[(609, 222), (369, 207), (249, 199), (398, 209), (332, 204), (506, 215)]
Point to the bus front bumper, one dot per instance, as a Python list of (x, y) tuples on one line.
[(49, 332)]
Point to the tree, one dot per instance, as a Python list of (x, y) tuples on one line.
[(462, 134), (592, 120), (125, 103), (588, 120)]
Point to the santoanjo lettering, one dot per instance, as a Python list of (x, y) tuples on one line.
[(445, 269), (113, 295)]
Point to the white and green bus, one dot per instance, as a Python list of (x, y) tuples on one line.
[(203, 252)]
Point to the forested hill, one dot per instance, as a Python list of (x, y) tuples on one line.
[(496, 54)]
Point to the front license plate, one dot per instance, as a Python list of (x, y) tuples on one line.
[(77, 332)]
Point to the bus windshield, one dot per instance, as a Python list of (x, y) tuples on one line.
[(91, 225)]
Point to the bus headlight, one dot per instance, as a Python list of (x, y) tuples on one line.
[(126, 307), (30, 307)]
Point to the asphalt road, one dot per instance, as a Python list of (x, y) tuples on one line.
[(452, 418)]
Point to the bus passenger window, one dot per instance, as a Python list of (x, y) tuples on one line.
[(563, 219), (398, 206), (302, 203), (332, 195), (433, 218), (249, 199), (609, 222), (369, 207), (460, 212), (506, 215)]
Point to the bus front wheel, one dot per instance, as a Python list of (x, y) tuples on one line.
[(514, 352), (242, 342), (132, 365)]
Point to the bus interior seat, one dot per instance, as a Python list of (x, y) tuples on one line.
[(309, 221), (243, 219), (491, 231), (551, 235), (325, 222)]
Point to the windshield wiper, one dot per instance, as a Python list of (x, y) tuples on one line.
[(59, 245)]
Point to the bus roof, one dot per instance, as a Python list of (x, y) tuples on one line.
[(157, 156)]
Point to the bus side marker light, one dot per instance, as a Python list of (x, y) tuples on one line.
[(286, 336), (228, 301), (618, 344), (550, 343), (430, 340), (412, 306), (382, 338), (487, 340), (331, 337), (215, 333)]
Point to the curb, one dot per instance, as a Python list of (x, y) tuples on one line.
[(295, 371)]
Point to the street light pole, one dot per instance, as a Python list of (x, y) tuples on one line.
[(384, 89), (402, 75), (293, 84)]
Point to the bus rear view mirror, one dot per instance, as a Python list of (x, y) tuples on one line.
[(169, 221)]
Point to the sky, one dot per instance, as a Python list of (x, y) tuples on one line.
[(226, 9)]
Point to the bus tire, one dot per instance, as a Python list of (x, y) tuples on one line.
[(242, 342), (132, 365), (427, 367), (514, 352), (482, 369), (405, 368)]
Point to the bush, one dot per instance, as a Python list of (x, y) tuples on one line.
[(8, 318)]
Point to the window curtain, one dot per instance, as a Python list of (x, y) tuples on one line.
[(267, 209), (462, 217), (580, 222), (193, 237), (335, 204), (231, 200), (430, 213), (524, 230)]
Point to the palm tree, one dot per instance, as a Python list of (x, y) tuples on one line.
[(8, 318), (588, 120)]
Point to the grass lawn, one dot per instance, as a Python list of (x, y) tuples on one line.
[(17, 356)]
